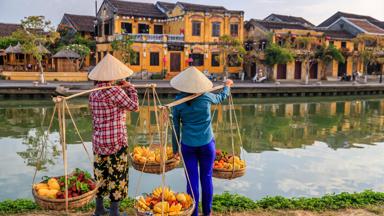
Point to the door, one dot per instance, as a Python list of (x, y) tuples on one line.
[(175, 62), (313, 71), (298, 70), (342, 69), (281, 71)]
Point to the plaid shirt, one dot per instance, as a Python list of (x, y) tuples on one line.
[(108, 108)]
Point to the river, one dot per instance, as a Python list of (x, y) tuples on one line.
[(292, 147)]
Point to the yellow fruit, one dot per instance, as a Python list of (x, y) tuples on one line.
[(40, 186), (237, 167), (181, 198), (52, 194), (53, 184), (43, 192), (175, 208), (161, 207)]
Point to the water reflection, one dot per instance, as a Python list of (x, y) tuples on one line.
[(291, 148)]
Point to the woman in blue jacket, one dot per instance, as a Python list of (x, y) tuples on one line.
[(197, 139)]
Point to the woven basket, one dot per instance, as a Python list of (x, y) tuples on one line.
[(187, 212), (228, 174), (155, 168), (59, 204)]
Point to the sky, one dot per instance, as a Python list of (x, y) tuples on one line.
[(316, 11)]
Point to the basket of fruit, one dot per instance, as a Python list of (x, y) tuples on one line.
[(50, 193), (173, 204), (148, 159), (227, 166)]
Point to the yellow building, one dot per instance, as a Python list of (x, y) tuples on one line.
[(168, 37), (260, 32)]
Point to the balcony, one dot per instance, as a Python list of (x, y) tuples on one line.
[(143, 38)]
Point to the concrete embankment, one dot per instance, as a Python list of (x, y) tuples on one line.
[(18, 89)]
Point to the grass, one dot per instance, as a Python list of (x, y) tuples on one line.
[(226, 202)]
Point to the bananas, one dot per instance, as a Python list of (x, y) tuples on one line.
[(173, 203), (143, 154)]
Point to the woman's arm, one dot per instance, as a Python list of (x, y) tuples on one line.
[(220, 97), (176, 123)]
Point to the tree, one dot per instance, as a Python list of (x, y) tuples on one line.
[(7, 41), (233, 51), (373, 52), (124, 46), (36, 31), (82, 50), (275, 54), (327, 54), (305, 54)]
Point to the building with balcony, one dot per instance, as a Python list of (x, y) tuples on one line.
[(283, 29), (168, 37), (357, 26)]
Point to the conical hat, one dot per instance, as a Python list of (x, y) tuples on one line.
[(191, 80), (109, 69)]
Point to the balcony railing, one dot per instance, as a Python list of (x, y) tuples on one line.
[(143, 37)]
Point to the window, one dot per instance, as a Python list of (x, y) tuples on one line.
[(126, 28), (196, 28), (233, 60), (158, 29), (106, 29), (262, 44), (143, 28), (215, 60), (234, 30), (198, 59), (216, 29), (343, 44), (135, 58), (154, 59)]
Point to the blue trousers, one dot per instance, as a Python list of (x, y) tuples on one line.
[(202, 158)]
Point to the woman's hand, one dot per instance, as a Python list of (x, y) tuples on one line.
[(228, 82)]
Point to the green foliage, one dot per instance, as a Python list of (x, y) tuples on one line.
[(68, 38), (124, 46), (17, 206), (7, 41), (80, 49), (233, 47), (274, 54), (227, 202), (327, 54)]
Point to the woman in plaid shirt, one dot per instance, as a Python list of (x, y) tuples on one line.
[(109, 140)]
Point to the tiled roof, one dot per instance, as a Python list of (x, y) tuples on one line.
[(339, 14), (167, 6), (81, 23), (141, 9), (338, 34), (6, 29), (366, 26), (291, 19), (378, 23), (202, 8), (270, 25)]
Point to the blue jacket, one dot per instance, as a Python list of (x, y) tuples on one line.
[(195, 119)]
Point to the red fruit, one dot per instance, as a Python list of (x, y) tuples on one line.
[(69, 195), (92, 186), (75, 194), (62, 184), (218, 152)]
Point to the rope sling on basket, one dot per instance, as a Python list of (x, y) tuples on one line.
[(162, 200), (50, 200), (230, 166), (148, 158)]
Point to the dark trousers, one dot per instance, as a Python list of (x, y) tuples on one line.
[(202, 158)]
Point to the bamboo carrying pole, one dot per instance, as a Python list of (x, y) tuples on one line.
[(191, 97), (107, 87)]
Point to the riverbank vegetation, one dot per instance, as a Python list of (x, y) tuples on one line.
[(233, 203)]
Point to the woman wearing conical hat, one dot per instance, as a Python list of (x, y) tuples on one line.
[(193, 118), (109, 139)]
